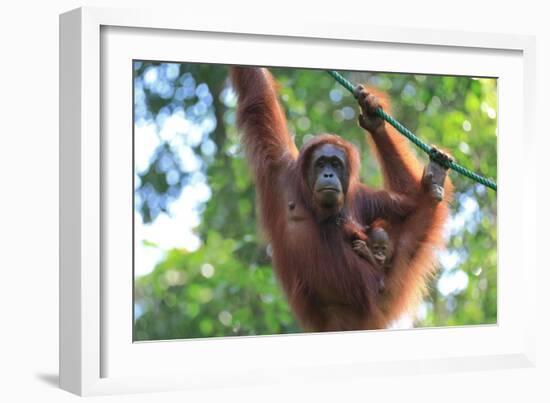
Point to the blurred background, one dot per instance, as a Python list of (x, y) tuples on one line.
[(201, 268)]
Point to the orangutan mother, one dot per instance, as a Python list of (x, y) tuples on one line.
[(311, 200)]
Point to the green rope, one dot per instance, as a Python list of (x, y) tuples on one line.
[(432, 152)]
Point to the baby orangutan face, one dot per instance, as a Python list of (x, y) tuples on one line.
[(380, 245)]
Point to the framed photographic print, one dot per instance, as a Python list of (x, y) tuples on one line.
[(236, 198)]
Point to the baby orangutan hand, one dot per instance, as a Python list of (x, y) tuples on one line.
[(361, 248)]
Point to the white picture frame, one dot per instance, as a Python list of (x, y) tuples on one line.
[(96, 354)]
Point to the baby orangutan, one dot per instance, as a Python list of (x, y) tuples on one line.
[(377, 248)]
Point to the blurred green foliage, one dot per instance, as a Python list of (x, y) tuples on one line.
[(226, 285)]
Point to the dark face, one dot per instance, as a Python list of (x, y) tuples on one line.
[(328, 176), (380, 245)]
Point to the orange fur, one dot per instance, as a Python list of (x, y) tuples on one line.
[(329, 287)]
